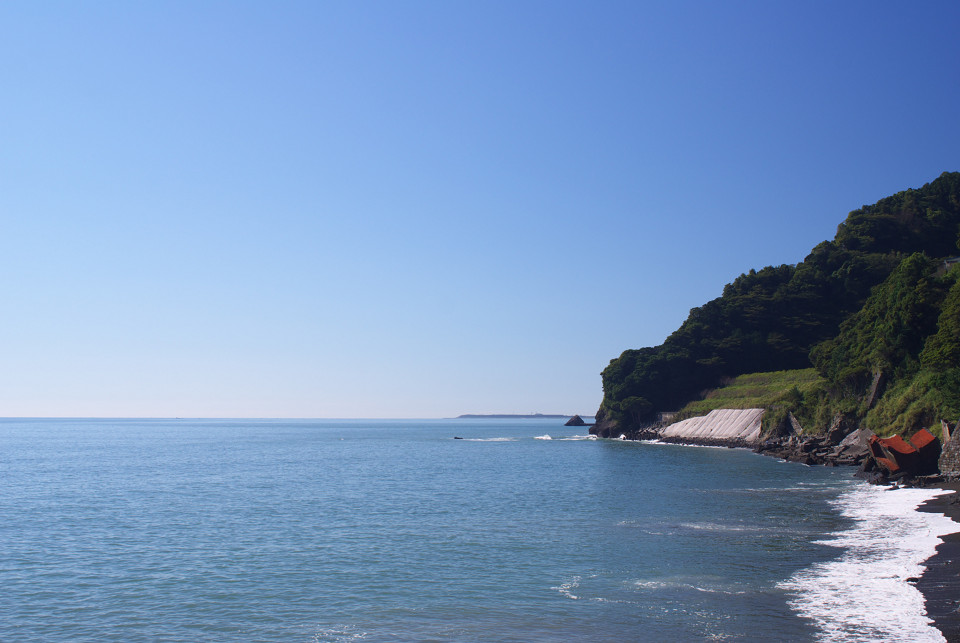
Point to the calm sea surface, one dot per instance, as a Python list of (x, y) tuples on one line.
[(280, 530)]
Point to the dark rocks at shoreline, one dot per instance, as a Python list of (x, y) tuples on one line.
[(603, 427), (880, 461), (705, 442), (576, 420), (824, 450)]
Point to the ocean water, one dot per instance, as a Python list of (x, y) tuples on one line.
[(392, 530)]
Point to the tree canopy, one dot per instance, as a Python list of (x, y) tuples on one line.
[(771, 319)]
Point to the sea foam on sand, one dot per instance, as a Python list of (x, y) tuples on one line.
[(864, 595)]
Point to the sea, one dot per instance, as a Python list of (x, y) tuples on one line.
[(396, 530)]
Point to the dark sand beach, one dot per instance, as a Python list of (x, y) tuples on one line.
[(940, 583)]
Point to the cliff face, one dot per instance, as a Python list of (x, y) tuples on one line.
[(769, 320), (604, 426)]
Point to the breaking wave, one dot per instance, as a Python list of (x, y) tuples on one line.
[(863, 595)]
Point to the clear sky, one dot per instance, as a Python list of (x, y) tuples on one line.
[(422, 209)]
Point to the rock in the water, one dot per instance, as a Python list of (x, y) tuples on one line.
[(576, 420)]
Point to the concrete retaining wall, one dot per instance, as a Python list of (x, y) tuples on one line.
[(721, 424)]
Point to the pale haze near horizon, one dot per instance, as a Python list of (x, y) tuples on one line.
[(424, 209)]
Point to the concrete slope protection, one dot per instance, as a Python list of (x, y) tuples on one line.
[(720, 424)]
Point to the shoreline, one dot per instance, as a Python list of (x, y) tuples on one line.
[(940, 581)]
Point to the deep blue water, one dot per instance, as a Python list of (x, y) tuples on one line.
[(280, 530)]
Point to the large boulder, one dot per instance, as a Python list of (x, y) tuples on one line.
[(840, 428), (855, 447), (576, 420)]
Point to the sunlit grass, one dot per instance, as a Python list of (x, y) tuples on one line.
[(754, 390)]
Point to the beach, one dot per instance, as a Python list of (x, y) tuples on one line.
[(940, 582)]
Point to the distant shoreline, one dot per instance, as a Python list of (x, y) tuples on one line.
[(505, 416)]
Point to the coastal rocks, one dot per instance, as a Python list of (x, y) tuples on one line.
[(604, 426), (821, 449), (576, 420), (912, 462), (787, 427), (840, 427), (795, 428), (853, 448), (803, 449)]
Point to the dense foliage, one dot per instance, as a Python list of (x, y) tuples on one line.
[(769, 320), (893, 364), (887, 334)]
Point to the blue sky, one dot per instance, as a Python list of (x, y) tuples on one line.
[(422, 209)]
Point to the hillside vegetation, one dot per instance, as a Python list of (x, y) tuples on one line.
[(874, 311), (756, 390)]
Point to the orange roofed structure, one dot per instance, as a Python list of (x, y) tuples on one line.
[(917, 456)]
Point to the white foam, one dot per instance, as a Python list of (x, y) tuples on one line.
[(704, 584), (542, 437), (714, 526), (864, 595), (682, 445), (338, 634), (566, 589)]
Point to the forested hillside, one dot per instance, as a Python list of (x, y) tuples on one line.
[(904, 335)]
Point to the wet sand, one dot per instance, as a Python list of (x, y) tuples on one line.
[(940, 583)]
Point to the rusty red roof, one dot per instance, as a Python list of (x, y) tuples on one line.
[(922, 438), (897, 444)]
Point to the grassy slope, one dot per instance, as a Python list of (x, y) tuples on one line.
[(775, 391), (803, 393)]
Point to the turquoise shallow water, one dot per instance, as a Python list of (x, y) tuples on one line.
[(391, 530)]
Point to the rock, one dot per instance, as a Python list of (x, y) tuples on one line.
[(855, 447), (605, 427), (794, 424), (576, 420), (873, 477), (839, 429), (876, 388)]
